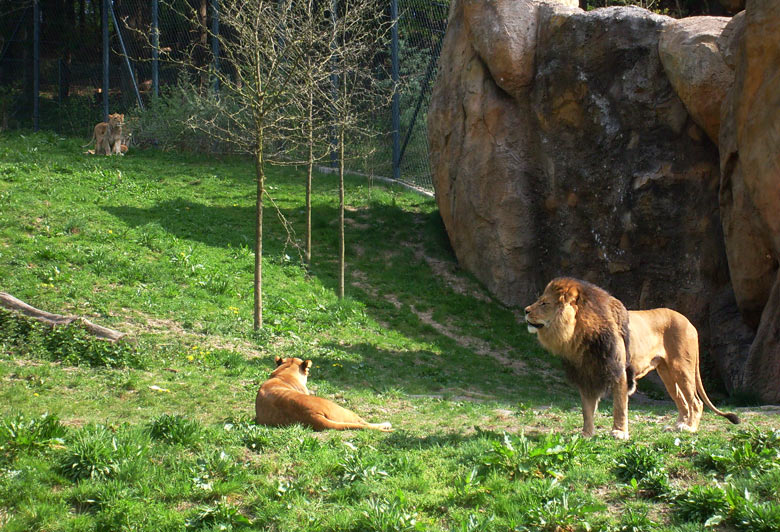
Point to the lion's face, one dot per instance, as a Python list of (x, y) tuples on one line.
[(294, 367), (556, 307)]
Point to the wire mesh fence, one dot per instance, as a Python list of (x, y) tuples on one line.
[(58, 74)]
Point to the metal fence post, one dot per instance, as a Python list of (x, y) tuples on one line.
[(130, 72), (396, 110), (106, 49), (36, 63), (215, 41), (155, 49)]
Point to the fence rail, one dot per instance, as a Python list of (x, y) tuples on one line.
[(64, 64)]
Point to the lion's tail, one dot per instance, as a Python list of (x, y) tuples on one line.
[(700, 389)]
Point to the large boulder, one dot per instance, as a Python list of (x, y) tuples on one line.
[(580, 160), (750, 188), (695, 66)]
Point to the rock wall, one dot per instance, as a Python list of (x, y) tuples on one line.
[(750, 186), (585, 144)]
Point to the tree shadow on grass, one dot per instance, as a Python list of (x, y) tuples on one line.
[(217, 226)]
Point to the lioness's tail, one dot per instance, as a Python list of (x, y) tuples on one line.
[(700, 389), (93, 139), (321, 422)]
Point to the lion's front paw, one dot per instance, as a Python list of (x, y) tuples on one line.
[(620, 434), (587, 433)]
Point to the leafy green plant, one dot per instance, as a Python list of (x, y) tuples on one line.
[(382, 515), (175, 429), (354, 468), (23, 433), (255, 437), (561, 513), (635, 520), (473, 523), (641, 468), (467, 485), (70, 344), (520, 457), (758, 517), (220, 516), (703, 504), (95, 452), (744, 458)]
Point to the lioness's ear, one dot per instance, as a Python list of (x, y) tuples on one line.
[(278, 361), (305, 367)]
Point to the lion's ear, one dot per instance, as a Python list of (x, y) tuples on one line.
[(278, 361), (306, 366), (571, 296)]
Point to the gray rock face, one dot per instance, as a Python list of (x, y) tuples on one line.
[(591, 167)]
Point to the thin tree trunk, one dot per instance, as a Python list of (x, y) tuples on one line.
[(258, 288), (310, 126), (342, 265)]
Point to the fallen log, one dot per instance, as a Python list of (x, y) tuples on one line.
[(16, 305)]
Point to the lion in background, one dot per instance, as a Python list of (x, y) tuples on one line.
[(107, 136), (284, 400), (604, 346)]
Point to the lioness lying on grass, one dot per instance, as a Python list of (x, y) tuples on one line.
[(284, 400)]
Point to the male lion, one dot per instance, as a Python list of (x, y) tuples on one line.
[(284, 400), (108, 136), (605, 346)]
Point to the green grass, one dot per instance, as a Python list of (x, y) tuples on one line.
[(156, 434)]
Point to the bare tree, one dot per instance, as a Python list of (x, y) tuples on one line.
[(359, 32), (255, 108), (276, 56)]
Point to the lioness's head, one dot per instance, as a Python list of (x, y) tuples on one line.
[(292, 366), (556, 308), (116, 120)]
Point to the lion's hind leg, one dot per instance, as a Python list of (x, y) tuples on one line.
[(682, 390)]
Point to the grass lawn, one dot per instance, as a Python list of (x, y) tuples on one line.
[(156, 433)]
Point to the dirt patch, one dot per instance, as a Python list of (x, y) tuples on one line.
[(361, 281), (141, 323), (477, 345), (445, 270)]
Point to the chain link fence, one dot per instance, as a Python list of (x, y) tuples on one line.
[(52, 73)]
